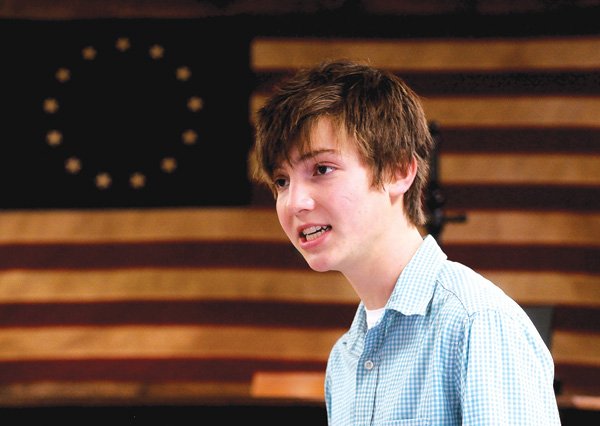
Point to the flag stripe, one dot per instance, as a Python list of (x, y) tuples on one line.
[(217, 369), (255, 285), (578, 258), (173, 312), (80, 397), (522, 197), (501, 111), (208, 342), (171, 224), (252, 284), (233, 254), (426, 55), (218, 313), (577, 379), (579, 348), (532, 140), (64, 388), (21, 230), (549, 287), (541, 169), (526, 257), (126, 341), (435, 83), (513, 227)]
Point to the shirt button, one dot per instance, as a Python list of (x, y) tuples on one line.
[(369, 365)]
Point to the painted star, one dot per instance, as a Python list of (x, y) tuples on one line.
[(189, 137), (89, 53), (137, 180), (54, 137), (123, 44), (168, 164), (183, 73), (195, 103), (73, 165), (157, 51), (50, 105), (63, 75), (103, 180)]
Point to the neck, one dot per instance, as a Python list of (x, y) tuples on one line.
[(374, 280)]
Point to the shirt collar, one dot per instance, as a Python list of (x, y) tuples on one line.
[(412, 293), (415, 286)]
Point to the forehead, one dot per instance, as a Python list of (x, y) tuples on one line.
[(324, 135), (320, 136)]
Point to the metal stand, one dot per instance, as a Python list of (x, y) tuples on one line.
[(434, 196)]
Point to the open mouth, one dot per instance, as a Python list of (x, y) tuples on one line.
[(314, 232)]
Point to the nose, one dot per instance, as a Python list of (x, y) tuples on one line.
[(299, 197)]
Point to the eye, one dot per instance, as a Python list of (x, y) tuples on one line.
[(321, 169), (280, 183)]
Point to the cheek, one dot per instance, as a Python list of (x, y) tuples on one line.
[(284, 220)]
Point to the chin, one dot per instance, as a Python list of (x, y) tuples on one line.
[(317, 265), (319, 269)]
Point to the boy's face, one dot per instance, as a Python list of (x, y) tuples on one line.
[(327, 206)]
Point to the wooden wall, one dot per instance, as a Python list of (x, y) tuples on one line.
[(179, 305)]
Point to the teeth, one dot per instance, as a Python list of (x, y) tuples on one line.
[(311, 230), (314, 232)]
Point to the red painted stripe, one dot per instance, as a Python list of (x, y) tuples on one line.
[(150, 254), (177, 312), (504, 83), (522, 197), (480, 83), (526, 257), (584, 379), (224, 313), (497, 197), (274, 255), (576, 318), (189, 369), (541, 140)]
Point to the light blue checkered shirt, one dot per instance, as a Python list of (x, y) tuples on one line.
[(450, 349)]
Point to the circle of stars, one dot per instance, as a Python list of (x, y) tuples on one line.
[(103, 180)]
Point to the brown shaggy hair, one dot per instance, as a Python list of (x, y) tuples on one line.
[(375, 108)]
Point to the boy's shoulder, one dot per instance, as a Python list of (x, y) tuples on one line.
[(458, 284)]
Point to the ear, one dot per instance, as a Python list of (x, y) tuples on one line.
[(401, 182)]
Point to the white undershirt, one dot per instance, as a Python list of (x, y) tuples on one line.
[(373, 316)]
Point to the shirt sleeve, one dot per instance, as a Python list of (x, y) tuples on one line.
[(506, 373)]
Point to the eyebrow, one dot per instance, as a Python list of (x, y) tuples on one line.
[(315, 153), (306, 156)]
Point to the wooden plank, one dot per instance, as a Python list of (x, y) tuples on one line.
[(80, 393), (579, 402), (496, 197), (261, 225), (306, 385), (222, 284), (549, 288), (477, 111), (576, 348), (534, 198), (514, 168), (525, 227), (542, 111), (181, 224), (18, 286), (165, 341), (431, 55)]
